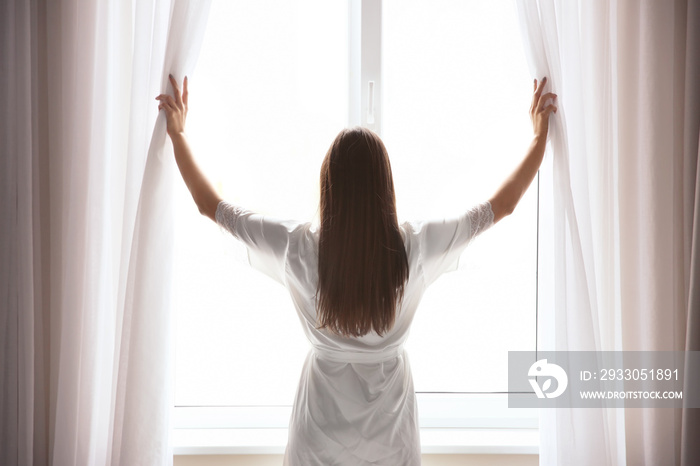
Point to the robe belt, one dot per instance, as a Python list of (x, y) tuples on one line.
[(358, 356)]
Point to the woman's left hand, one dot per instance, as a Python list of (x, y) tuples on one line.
[(539, 112), (175, 107)]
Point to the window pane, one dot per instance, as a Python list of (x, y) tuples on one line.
[(456, 100), (268, 97)]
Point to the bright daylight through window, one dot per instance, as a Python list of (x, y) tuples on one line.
[(269, 95)]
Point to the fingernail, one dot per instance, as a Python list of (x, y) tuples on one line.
[(544, 79)]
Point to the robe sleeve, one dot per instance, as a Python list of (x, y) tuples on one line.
[(443, 241), (266, 238)]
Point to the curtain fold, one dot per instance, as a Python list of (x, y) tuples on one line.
[(85, 350), (618, 204), (23, 242), (148, 312), (690, 449), (574, 274)]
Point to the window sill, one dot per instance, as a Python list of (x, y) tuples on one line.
[(433, 441)]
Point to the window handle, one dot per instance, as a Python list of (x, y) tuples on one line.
[(370, 104)]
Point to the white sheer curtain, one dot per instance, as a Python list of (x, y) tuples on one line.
[(85, 324), (619, 230)]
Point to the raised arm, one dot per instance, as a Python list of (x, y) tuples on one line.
[(203, 193), (512, 190)]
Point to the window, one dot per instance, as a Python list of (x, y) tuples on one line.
[(455, 120), (268, 97), (275, 82)]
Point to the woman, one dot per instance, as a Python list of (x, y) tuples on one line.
[(356, 282)]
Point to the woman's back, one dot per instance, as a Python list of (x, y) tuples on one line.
[(355, 403)]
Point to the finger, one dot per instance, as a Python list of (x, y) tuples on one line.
[(540, 88), (166, 98), (549, 97), (176, 89), (533, 104), (167, 102), (185, 93), (549, 109)]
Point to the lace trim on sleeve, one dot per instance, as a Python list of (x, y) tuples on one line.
[(226, 216), (481, 218)]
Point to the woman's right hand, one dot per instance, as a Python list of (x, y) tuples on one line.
[(539, 113), (175, 107)]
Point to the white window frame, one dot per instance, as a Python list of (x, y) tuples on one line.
[(451, 423)]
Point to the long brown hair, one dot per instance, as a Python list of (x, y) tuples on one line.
[(362, 263)]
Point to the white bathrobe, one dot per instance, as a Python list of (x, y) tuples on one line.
[(355, 404)]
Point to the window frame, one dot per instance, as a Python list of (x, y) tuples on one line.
[(451, 422)]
